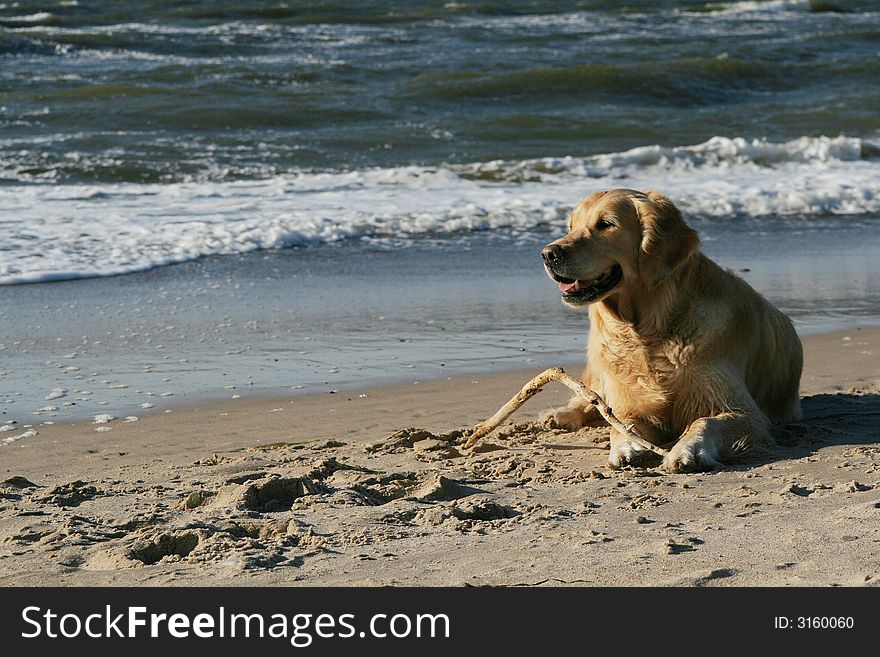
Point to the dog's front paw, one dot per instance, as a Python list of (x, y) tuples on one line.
[(624, 453), (570, 418), (692, 455)]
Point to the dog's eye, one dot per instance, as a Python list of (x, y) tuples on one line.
[(603, 224)]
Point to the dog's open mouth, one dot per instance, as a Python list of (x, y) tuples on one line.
[(587, 291)]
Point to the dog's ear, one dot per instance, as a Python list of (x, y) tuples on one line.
[(667, 241)]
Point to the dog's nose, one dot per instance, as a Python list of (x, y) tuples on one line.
[(551, 253)]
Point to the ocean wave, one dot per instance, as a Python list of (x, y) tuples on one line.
[(757, 6), (785, 8), (718, 153), (388, 13), (55, 232), (28, 19), (687, 80), (14, 44)]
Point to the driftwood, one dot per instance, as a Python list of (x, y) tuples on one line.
[(535, 385)]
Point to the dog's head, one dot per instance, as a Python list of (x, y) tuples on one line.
[(618, 240)]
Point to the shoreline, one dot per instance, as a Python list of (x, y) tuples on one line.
[(342, 317), (367, 489), (275, 399), (285, 392)]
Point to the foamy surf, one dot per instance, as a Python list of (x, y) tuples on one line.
[(56, 232), (763, 7)]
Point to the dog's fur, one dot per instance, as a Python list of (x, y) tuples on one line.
[(686, 351)]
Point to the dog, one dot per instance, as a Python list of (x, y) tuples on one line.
[(679, 347)]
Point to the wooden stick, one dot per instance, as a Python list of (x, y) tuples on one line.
[(535, 385)]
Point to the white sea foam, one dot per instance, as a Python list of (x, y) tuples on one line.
[(763, 7), (56, 393), (31, 18), (13, 439), (52, 232)]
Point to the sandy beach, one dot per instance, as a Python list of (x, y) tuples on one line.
[(370, 487)]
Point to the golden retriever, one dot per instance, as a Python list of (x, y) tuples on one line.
[(684, 350)]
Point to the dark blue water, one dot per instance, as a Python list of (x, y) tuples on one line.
[(169, 91)]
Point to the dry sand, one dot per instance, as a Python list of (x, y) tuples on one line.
[(320, 490)]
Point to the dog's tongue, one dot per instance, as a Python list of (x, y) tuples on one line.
[(565, 288)]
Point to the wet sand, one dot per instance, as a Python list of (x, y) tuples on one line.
[(355, 315)]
